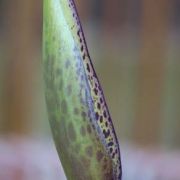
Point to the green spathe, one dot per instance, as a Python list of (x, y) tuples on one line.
[(69, 98)]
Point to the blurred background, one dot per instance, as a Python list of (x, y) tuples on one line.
[(135, 48)]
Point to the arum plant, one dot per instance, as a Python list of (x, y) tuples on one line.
[(80, 121)]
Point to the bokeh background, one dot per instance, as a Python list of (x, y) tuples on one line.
[(135, 48)]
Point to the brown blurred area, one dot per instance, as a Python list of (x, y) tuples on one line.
[(21, 37), (135, 49)]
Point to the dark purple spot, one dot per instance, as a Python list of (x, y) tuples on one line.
[(98, 105), (99, 155), (109, 176), (78, 22), (78, 33), (101, 119), (71, 132), (105, 114), (82, 48), (105, 166), (84, 56), (96, 91), (76, 111), (110, 144), (88, 68), (89, 151), (120, 175), (97, 115), (85, 161), (106, 133)]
